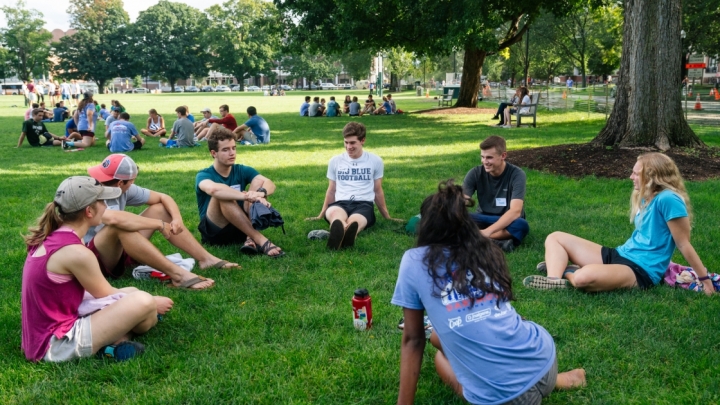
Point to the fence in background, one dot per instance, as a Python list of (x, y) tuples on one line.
[(600, 99)]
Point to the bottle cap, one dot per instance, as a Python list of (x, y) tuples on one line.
[(362, 293)]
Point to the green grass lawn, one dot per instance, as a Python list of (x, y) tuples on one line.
[(280, 331)]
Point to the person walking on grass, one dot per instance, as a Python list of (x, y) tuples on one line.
[(224, 205), (355, 183), (155, 124), (60, 272), (127, 238), (487, 353), (500, 189), (661, 212)]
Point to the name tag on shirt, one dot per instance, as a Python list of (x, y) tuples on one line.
[(501, 202), (236, 187)]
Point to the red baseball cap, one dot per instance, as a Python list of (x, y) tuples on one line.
[(115, 167)]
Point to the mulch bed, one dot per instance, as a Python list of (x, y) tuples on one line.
[(578, 160)]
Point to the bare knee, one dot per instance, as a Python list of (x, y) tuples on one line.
[(144, 302), (554, 237), (582, 279)]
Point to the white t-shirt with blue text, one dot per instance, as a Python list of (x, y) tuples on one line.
[(651, 244), (355, 178), (495, 355)]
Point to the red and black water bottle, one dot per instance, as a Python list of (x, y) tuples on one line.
[(362, 309)]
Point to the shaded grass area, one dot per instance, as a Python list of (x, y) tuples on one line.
[(280, 331)]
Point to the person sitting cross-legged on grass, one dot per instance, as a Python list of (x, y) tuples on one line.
[(661, 212), (123, 136), (128, 236), (355, 182), (223, 203), (500, 188), (183, 132), (58, 271), (486, 352), (204, 122), (254, 131), (155, 124)]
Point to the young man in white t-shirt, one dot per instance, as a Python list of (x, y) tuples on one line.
[(355, 183)]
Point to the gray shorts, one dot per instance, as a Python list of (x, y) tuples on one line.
[(540, 390), (76, 343)]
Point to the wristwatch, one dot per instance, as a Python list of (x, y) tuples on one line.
[(263, 190)]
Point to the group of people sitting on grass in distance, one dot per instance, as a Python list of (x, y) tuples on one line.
[(122, 135), (351, 107), (520, 98), (254, 131)]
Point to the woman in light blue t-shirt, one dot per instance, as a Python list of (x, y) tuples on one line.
[(486, 352), (662, 215)]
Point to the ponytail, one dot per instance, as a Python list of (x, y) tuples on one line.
[(51, 219)]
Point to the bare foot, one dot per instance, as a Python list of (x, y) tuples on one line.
[(571, 379), (212, 261), (164, 304)]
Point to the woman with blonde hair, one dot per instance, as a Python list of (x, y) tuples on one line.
[(155, 124), (661, 212), (60, 272)]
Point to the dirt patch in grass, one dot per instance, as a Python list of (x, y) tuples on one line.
[(578, 160), (458, 111)]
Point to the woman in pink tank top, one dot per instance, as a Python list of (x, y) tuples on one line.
[(58, 271)]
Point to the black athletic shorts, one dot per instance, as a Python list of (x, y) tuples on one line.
[(212, 234), (85, 133), (364, 208), (611, 256)]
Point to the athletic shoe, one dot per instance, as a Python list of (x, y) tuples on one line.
[(507, 126), (542, 268), (545, 283), (506, 245), (495, 117), (318, 234), (62, 144), (122, 351), (337, 234), (499, 125)]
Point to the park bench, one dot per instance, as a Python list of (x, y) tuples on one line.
[(532, 110), (446, 100)]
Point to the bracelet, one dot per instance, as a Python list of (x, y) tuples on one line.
[(162, 230), (704, 278)]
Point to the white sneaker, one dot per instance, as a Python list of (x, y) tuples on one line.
[(318, 234), (507, 126)]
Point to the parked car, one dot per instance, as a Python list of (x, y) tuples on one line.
[(311, 87), (141, 90), (235, 87), (286, 87), (192, 89), (265, 87), (179, 89), (166, 89), (222, 88), (207, 89), (328, 86), (252, 88)]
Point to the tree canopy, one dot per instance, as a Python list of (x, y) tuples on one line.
[(99, 50), (26, 41), (170, 41), (420, 26), (243, 37)]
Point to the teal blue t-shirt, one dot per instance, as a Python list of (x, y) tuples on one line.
[(240, 177), (651, 245)]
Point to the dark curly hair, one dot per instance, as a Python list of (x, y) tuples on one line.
[(456, 247)]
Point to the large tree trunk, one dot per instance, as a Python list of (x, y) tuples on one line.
[(470, 82), (647, 109)]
